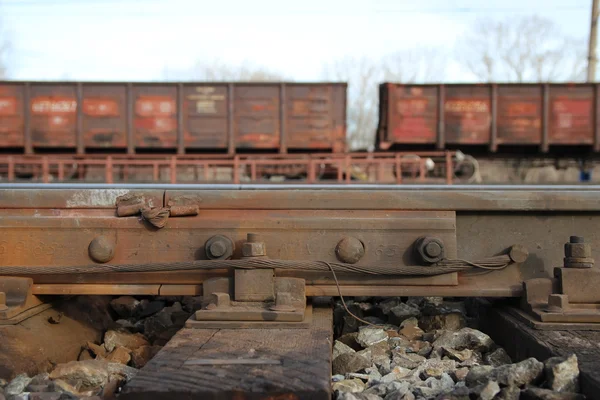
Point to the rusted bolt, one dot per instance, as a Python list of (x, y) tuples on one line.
[(578, 254), (518, 253), (219, 247), (101, 249), (429, 249), (349, 250), (283, 302), (254, 247)]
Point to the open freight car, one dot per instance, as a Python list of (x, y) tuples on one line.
[(82, 118), (518, 129)]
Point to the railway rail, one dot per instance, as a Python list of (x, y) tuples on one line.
[(260, 253)]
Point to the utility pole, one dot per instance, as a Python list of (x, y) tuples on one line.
[(591, 72)]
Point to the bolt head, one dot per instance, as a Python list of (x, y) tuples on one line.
[(433, 249), (349, 250), (219, 247), (429, 249), (101, 249)]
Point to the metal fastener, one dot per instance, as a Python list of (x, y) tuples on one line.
[(101, 249), (578, 254), (349, 250), (254, 246), (429, 249), (219, 247)]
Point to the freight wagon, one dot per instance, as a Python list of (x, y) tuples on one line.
[(513, 133), (519, 128), (43, 117)]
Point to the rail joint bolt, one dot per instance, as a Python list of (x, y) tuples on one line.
[(254, 247), (429, 250), (578, 254), (219, 247), (101, 249)]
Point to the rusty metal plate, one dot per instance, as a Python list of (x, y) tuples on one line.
[(205, 115), (312, 115), (467, 114), (572, 114), (11, 115), (62, 237), (257, 117), (104, 110), (580, 284), (53, 110), (155, 116), (412, 113), (519, 114)]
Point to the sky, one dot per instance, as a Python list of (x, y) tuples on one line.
[(143, 40)]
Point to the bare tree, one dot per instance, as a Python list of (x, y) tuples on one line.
[(220, 71), (521, 50), (364, 75)]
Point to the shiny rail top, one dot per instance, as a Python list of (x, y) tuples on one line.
[(315, 197)]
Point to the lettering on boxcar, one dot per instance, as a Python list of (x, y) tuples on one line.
[(8, 106), (462, 106), (411, 106), (98, 107), (153, 106), (206, 99), (53, 105)]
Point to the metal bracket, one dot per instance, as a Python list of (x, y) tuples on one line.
[(260, 298), (569, 300), (17, 302)]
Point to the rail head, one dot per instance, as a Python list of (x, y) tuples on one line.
[(318, 197)]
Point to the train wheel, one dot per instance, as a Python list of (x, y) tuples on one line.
[(467, 170)]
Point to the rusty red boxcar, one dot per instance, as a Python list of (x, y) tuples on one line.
[(494, 115), (181, 117)]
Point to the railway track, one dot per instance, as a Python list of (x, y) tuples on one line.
[(262, 255)]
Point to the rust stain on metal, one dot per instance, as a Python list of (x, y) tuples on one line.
[(183, 211)]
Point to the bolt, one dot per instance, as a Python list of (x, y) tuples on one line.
[(254, 247), (219, 247), (578, 254), (253, 238), (429, 249), (433, 249), (101, 249), (349, 250), (576, 239)]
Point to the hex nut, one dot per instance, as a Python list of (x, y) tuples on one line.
[(349, 250), (254, 249), (101, 249), (219, 247), (429, 249), (578, 250)]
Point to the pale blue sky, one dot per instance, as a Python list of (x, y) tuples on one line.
[(139, 39)]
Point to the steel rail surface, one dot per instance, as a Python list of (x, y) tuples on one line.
[(283, 186)]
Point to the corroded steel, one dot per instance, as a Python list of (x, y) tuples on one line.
[(86, 117), (496, 115), (308, 168)]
